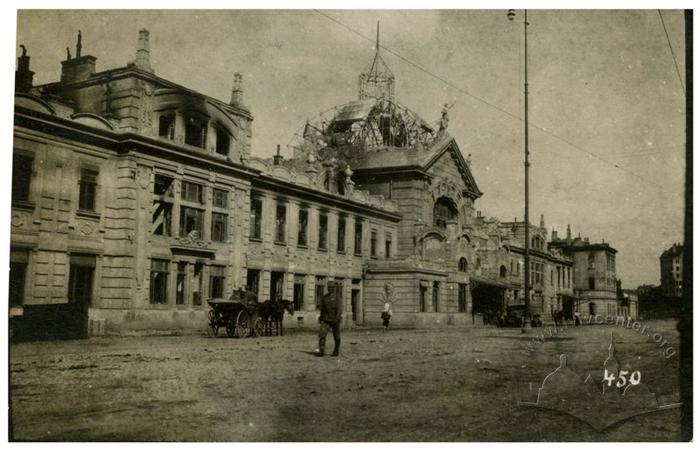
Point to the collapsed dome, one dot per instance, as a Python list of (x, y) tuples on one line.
[(367, 124)]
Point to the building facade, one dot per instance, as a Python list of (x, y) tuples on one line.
[(136, 199), (671, 264), (594, 276)]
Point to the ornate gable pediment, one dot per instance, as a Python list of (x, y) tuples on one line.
[(450, 147)]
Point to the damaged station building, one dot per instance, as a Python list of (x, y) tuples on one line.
[(135, 199)]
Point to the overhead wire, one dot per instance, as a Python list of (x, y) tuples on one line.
[(673, 54)]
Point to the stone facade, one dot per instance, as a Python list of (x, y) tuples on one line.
[(136, 199), (671, 264), (595, 281)]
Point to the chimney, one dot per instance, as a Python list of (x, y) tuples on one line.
[(277, 159), (24, 77), (79, 68), (143, 51), (542, 221), (555, 235), (237, 90), (568, 232)]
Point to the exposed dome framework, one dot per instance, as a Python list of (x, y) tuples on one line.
[(368, 124)]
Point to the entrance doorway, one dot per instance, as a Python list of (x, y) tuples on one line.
[(80, 280)]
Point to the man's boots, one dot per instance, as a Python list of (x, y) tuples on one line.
[(336, 349), (321, 347)]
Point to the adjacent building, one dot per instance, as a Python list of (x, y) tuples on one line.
[(671, 262), (595, 281)]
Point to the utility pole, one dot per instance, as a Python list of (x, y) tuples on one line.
[(526, 318)]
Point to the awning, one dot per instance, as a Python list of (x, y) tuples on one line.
[(503, 284)]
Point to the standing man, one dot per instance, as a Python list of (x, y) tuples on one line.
[(330, 318)]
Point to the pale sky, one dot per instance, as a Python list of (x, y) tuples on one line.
[(602, 80)]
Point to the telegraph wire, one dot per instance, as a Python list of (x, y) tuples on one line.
[(481, 100), (673, 54)]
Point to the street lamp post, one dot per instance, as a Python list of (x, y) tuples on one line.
[(526, 318)]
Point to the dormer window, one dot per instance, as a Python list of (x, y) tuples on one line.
[(223, 141), (196, 132), (166, 126)]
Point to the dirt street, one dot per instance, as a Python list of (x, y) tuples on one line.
[(453, 384)]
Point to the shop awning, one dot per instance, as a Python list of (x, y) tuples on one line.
[(503, 284)]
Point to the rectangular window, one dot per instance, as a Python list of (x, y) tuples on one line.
[(159, 282), (162, 218), (222, 141), (462, 298), (253, 280), (281, 224), (358, 237), (191, 219), (219, 225), (423, 297), (19, 259), (180, 285), (216, 281), (436, 296), (197, 284), (341, 234), (166, 126), (196, 132), (320, 286), (303, 223), (299, 282), (88, 189), (387, 245), (220, 198), (21, 177), (373, 244), (255, 218), (591, 283), (322, 232), (82, 268), (192, 192)]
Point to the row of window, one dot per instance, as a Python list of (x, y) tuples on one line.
[(188, 274), (192, 209), (195, 131), (22, 169), (280, 232), (431, 291)]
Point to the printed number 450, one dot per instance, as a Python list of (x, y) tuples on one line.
[(634, 378)]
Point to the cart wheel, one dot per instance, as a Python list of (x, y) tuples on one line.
[(242, 328), (212, 325), (231, 327), (258, 327)]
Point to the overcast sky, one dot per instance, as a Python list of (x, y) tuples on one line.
[(602, 80)]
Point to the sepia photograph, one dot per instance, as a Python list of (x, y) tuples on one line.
[(349, 225)]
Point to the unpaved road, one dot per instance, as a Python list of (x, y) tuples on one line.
[(453, 384)]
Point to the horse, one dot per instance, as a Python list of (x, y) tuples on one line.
[(273, 311), (558, 317)]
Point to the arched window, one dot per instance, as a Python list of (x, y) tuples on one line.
[(443, 211), (463, 265), (503, 272)]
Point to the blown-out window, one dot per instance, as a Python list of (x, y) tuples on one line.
[(443, 211), (196, 132)]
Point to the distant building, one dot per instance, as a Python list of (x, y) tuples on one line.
[(671, 262), (595, 282)]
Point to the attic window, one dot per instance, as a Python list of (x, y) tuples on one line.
[(223, 141), (166, 126), (196, 132)]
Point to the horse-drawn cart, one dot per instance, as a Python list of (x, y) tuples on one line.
[(239, 319)]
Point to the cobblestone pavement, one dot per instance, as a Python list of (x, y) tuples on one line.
[(450, 384)]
